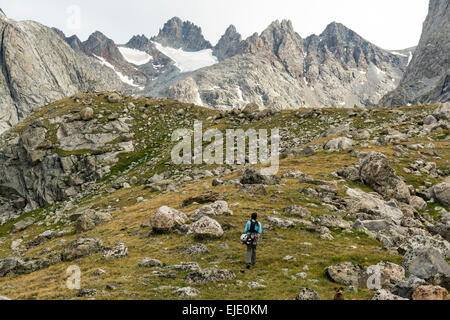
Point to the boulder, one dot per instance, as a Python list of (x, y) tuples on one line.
[(166, 219), (185, 266), (150, 263), (307, 294), (339, 144), (209, 275), (425, 242), (441, 193), (119, 251), (384, 294), (281, 223), (417, 203), (90, 219), (346, 273), (442, 112), (425, 263), (430, 293), (206, 228), (333, 222), (22, 224), (376, 172), (87, 114), (114, 98), (217, 208), (206, 197), (187, 292), (255, 176), (297, 211), (80, 248), (405, 288)]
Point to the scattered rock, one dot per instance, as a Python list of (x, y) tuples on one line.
[(384, 294), (166, 219), (430, 293), (209, 275), (22, 224), (206, 228), (119, 251), (81, 247), (256, 176), (150, 263), (187, 292), (307, 294)]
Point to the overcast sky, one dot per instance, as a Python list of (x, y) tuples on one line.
[(390, 24)]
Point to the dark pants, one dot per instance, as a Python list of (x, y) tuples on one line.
[(251, 254)]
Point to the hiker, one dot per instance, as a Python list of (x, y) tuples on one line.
[(253, 230)]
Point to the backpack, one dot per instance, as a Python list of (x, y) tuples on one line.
[(253, 225)]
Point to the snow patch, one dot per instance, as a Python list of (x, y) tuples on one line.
[(121, 76), (189, 61), (134, 56)]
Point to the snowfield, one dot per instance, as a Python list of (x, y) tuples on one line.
[(188, 61), (122, 77), (134, 56)]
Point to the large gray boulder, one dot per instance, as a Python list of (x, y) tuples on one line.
[(90, 219), (217, 208), (166, 219), (376, 172), (426, 242), (425, 263), (80, 248), (406, 287), (346, 273), (441, 192), (255, 176), (22, 224), (443, 111), (339, 144), (206, 228)]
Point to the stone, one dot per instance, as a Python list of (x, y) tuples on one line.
[(206, 228), (119, 251), (430, 293), (217, 208), (187, 292), (89, 292), (346, 273), (330, 221), (441, 192), (166, 219), (114, 98), (185, 266), (209, 275), (281, 223), (425, 263), (406, 287), (425, 242), (80, 248), (91, 218), (87, 114), (307, 294), (256, 176), (383, 294), (339, 144), (150, 263), (297, 211), (417, 203), (443, 111), (22, 224), (203, 198), (378, 174)]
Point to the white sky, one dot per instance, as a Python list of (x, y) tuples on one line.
[(390, 24)]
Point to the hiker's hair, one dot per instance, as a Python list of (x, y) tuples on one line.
[(254, 216)]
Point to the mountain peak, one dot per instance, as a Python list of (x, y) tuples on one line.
[(284, 25), (182, 34), (228, 44)]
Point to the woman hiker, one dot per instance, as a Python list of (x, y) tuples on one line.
[(253, 229)]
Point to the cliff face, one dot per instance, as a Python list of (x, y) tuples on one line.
[(427, 76), (38, 67)]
